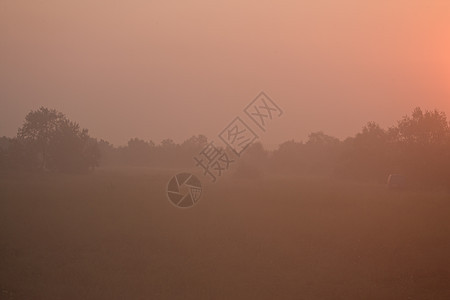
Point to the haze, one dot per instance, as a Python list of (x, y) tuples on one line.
[(171, 69)]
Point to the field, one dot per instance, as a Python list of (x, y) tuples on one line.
[(113, 235)]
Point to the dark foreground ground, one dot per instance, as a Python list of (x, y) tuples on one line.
[(114, 235)]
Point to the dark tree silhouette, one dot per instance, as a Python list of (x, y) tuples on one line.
[(418, 147), (423, 142), (138, 152), (253, 163), (38, 130), (367, 156), (56, 143)]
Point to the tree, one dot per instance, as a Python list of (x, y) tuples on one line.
[(424, 146), (57, 143), (369, 155), (138, 152), (253, 163), (423, 128), (288, 157), (320, 139), (321, 152), (194, 144), (186, 151), (109, 155), (17, 155), (38, 130)]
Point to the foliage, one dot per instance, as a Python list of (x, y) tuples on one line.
[(48, 141), (418, 147)]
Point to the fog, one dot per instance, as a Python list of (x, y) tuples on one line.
[(171, 69), (224, 149)]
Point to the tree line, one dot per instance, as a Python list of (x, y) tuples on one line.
[(417, 146)]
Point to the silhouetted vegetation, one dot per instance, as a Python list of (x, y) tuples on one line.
[(418, 147), (147, 153), (49, 141)]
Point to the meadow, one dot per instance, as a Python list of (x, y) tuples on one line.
[(113, 234)]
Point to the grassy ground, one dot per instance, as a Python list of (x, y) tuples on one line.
[(113, 235)]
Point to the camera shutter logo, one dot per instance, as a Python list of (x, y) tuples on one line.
[(184, 190)]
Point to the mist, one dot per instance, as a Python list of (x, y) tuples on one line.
[(141, 68), (224, 149)]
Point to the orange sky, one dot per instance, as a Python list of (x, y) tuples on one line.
[(158, 69)]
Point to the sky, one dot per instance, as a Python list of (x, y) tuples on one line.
[(172, 69)]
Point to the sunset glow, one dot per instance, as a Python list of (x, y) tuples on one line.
[(333, 65), (224, 149)]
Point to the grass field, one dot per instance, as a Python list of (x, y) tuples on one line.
[(113, 235)]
